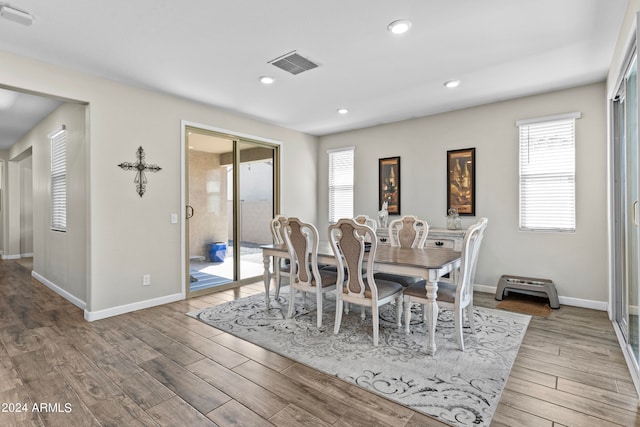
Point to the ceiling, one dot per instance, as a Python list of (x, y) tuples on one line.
[(214, 51)]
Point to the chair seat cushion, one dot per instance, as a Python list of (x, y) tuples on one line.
[(446, 291), (385, 288), (398, 278), (328, 278), (285, 268)]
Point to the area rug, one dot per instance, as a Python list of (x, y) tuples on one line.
[(455, 387), (526, 304)]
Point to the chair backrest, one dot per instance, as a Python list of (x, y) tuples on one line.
[(276, 228), (469, 260), (408, 232), (302, 243), (364, 219), (347, 239)]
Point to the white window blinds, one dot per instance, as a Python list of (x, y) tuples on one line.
[(340, 184), (547, 173), (59, 179)]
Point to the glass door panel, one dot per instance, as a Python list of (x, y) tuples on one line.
[(630, 180), (255, 205), (209, 210)]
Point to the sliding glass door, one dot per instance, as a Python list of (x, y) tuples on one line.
[(626, 211), (232, 190)]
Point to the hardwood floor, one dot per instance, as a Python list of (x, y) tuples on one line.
[(160, 367)]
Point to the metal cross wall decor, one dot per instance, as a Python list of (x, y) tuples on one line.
[(140, 167)]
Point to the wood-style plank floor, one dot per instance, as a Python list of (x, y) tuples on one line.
[(160, 367)]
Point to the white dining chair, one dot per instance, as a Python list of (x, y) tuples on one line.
[(407, 232), (366, 220), (347, 239), (457, 295), (280, 266), (305, 275)]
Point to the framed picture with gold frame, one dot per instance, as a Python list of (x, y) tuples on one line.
[(389, 184), (461, 181)]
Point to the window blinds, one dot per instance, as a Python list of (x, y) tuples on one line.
[(340, 184), (547, 175), (59, 179)]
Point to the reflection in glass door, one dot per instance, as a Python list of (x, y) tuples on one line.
[(254, 207)]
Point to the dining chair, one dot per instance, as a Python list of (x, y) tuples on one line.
[(347, 239), (457, 295), (281, 266), (366, 220), (406, 232), (305, 275)]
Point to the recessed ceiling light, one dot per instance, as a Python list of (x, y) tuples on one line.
[(452, 83), (400, 26), (342, 111), (267, 80)]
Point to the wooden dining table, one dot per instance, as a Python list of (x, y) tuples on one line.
[(429, 263)]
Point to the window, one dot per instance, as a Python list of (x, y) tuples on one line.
[(58, 140), (340, 184), (547, 173)]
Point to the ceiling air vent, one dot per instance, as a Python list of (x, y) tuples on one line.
[(293, 63)]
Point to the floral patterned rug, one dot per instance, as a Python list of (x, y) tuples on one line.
[(458, 388)]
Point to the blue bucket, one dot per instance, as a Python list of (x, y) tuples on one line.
[(217, 251)]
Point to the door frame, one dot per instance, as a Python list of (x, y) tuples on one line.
[(184, 182), (615, 311)]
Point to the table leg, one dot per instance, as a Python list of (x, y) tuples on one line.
[(432, 313), (266, 259)]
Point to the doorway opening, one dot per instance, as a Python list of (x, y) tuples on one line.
[(231, 196)]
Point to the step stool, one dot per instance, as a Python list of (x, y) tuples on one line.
[(529, 286)]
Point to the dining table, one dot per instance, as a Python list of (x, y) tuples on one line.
[(429, 263)]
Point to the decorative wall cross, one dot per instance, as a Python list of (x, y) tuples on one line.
[(140, 167)]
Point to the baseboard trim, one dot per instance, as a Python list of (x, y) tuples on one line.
[(11, 256), (575, 302), (91, 316), (58, 290), (27, 255)]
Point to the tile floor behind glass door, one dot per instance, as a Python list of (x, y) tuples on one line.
[(210, 274)]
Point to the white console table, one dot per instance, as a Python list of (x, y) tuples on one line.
[(437, 238)]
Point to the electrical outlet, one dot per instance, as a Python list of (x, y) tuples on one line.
[(146, 280)]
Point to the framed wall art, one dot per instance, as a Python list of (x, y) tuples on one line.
[(461, 181), (389, 184)]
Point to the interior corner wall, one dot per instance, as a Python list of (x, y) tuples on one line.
[(12, 202), (576, 262), (3, 204), (59, 258), (26, 207)]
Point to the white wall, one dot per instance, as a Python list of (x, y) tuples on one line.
[(58, 258), (576, 262), (130, 236), (26, 206)]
